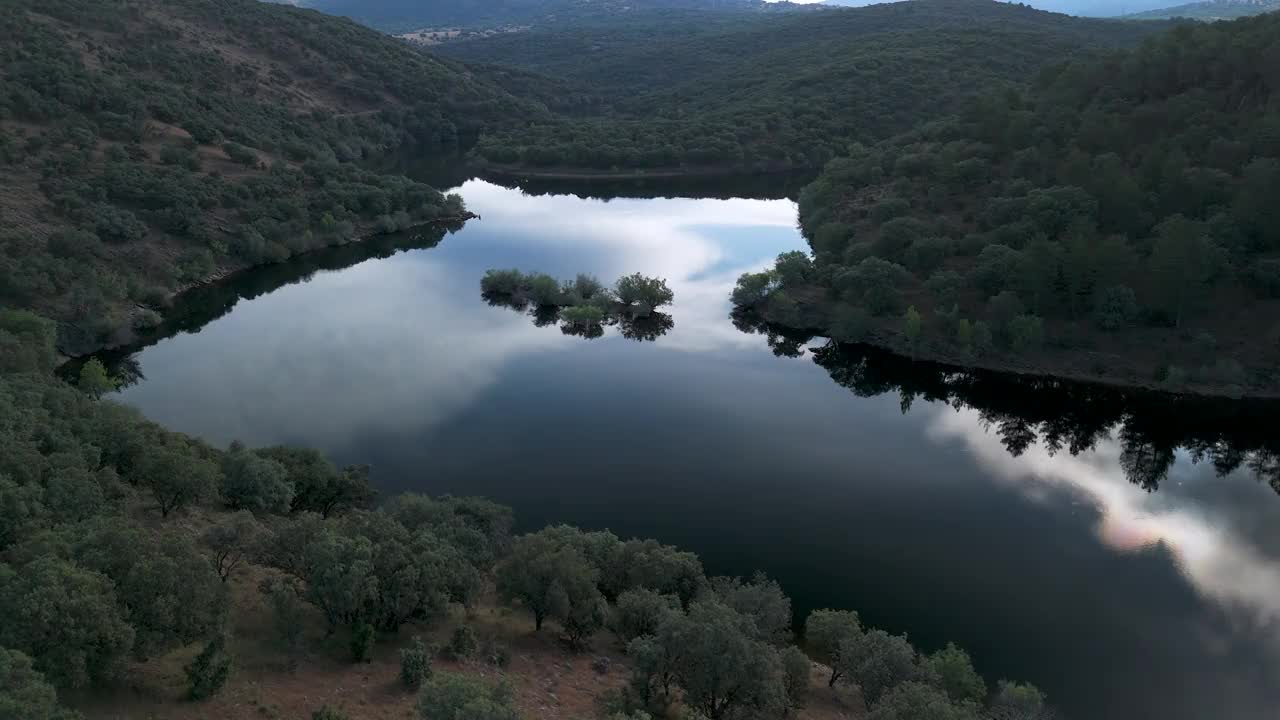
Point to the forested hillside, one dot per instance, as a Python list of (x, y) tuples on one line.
[(1118, 221), (399, 16), (147, 145), (779, 92)]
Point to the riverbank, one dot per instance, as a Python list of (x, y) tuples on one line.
[(135, 333), (1130, 360), (523, 172)]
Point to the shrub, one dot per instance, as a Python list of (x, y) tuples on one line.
[(329, 713), (495, 653), (209, 671), (363, 636), (601, 665), (415, 664), (582, 315), (463, 644), (647, 292), (753, 288), (544, 290), (502, 282), (240, 154), (452, 696), (1116, 308), (586, 286)]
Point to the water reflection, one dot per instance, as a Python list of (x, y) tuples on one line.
[(1148, 428), (641, 328), (1117, 549), (1162, 472)]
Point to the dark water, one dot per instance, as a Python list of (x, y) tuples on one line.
[(1121, 551)]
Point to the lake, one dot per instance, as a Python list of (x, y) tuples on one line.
[(1121, 551)]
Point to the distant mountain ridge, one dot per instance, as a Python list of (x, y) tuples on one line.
[(407, 15), (1212, 10)]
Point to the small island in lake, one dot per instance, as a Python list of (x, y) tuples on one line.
[(584, 306)]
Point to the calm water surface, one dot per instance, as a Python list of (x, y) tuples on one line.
[(1120, 600)]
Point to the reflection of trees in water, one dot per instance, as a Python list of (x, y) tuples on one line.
[(1150, 427), (201, 305), (641, 328)]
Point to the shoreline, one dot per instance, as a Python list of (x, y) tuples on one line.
[(127, 336), (1064, 369), (519, 172)]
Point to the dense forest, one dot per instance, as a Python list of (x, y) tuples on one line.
[(1101, 224), (771, 93), (400, 16), (147, 146)]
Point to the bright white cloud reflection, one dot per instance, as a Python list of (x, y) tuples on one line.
[(400, 345), (700, 246), (1221, 564)]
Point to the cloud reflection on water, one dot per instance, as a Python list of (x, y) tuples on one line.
[(1218, 560), (396, 346)]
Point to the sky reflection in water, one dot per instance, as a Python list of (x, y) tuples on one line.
[(1052, 568)]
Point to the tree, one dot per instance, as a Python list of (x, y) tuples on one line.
[(453, 696), (793, 268), (964, 334), (761, 601), (824, 633), (167, 586), (94, 380), (646, 292), (1183, 262), (796, 671), (176, 478), (415, 663), (650, 564), (1026, 332), (65, 618), (318, 486), (288, 616), (995, 268), (654, 667), (754, 288), (874, 284), (24, 693), (255, 483), (641, 611), (1116, 307), (912, 326), (983, 339), (233, 540), (1019, 701), (720, 667), (577, 603), (956, 676), (919, 701), (876, 661), (548, 578)]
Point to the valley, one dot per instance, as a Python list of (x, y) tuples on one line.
[(932, 376)]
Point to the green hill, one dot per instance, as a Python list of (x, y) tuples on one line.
[(150, 145), (398, 16), (787, 91), (1117, 222)]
